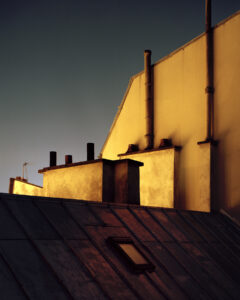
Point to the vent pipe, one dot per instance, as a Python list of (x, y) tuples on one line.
[(53, 159), (210, 75), (149, 99), (90, 151)]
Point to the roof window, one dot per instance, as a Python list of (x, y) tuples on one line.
[(130, 254)]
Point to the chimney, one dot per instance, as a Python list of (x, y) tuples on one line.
[(148, 99), (53, 158), (90, 151), (126, 181), (68, 159), (120, 183)]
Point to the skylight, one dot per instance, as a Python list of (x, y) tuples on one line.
[(130, 254)]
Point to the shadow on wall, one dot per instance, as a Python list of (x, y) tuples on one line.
[(220, 168), (180, 180), (234, 212), (226, 177)]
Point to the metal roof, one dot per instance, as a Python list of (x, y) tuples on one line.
[(56, 249)]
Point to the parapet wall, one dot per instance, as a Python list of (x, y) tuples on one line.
[(96, 180)]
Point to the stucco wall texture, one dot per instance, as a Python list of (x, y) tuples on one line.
[(180, 114), (159, 166), (78, 182), (96, 180), (24, 188), (83, 182)]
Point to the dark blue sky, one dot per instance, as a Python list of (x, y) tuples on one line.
[(65, 65)]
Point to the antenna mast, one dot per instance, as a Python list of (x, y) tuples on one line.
[(24, 170)]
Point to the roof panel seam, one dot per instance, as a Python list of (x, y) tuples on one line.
[(178, 262), (22, 288), (163, 246), (35, 246), (142, 245), (193, 257), (71, 248), (120, 275)]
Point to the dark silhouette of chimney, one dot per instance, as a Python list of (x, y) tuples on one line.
[(90, 151), (53, 158)]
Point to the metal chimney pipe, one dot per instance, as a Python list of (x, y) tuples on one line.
[(210, 72), (68, 159), (53, 158), (149, 99), (90, 151)]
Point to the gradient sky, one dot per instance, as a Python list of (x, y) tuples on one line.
[(65, 66)]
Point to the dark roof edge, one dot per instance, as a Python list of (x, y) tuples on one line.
[(234, 220), (87, 202), (70, 165), (177, 148), (106, 161)]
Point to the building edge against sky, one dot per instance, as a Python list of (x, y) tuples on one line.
[(179, 82), (180, 174)]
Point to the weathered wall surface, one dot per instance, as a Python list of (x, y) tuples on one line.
[(156, 177), (129, 128), (180, 114), (24, 188), (79, 182), (227, 110), (82, 182), (99, 180)]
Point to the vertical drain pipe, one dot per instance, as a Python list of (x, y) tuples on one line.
[(149, 99), (209, 53)]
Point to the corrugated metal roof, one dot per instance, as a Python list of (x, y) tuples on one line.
[(56, 249)]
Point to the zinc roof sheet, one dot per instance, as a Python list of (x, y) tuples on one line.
[(56, 249)]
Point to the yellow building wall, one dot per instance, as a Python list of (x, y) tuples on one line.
[(159, 166), (82, 182), (129, 127), (227, 111), (24, 188), (180, 114)]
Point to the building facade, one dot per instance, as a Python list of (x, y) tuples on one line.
[(204, 174)]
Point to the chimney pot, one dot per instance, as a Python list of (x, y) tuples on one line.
[(90, 151), (53, 158), (68, 159), (147, 51)]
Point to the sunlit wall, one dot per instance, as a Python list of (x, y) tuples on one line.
[(180, 114)]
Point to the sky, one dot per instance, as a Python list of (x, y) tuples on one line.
[(65, 66)]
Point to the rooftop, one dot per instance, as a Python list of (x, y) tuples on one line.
[(57, 249)]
